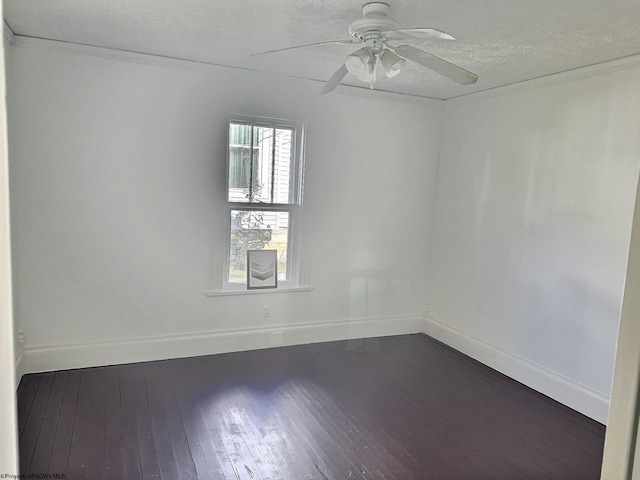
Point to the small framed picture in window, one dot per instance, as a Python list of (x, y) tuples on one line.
[(262, 269)]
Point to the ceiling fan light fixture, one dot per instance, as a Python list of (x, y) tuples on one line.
[(369, 74), (358, 62), (391, 63)]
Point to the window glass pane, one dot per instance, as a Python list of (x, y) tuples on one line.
[(240, 134), (239, 167), (241, 157), (263, 173), (282, 165), (260, 163), (257, 230)]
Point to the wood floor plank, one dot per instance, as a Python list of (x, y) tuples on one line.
[(229, 452), (215, 434), (46, 437), (86, 454), (329, 458), (372, 398), (34, 421), (334, 433), (166, 460), (251, 438), (179, 442), (392, 408), (131, 465), (140, 414), (149, 458), (370, 450), (64, 432), (207, 460), (269, 386), (27, 394), (241, 450), (262, 417), (186, 389), (113, 463)]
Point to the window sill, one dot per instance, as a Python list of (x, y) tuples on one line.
[(222, 293)]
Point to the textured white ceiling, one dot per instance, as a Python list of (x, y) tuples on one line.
[(503, 41)]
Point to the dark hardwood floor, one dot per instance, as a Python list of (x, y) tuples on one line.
[(401, 408)]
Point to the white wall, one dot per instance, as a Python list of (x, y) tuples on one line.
[(118, 166), (535, 196), (8, 425)]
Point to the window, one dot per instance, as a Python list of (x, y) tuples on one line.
[(264, 195)]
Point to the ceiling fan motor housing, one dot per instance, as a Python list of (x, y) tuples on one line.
[(375, 21), (375, 9)]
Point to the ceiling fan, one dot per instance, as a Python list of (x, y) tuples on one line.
[(375, 31)]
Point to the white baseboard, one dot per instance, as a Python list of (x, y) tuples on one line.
[(580, 397), (575, 395), (63, 357)]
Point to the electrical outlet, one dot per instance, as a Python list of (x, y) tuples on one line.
[(266, 311), (425, 310)]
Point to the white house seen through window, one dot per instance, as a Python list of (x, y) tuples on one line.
[(264, 194)]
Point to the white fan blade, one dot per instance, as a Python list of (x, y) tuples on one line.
[(437, 64), (330, 42), (404, 33), (334, 80)]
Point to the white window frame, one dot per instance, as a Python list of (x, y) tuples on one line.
[(294, 208)]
